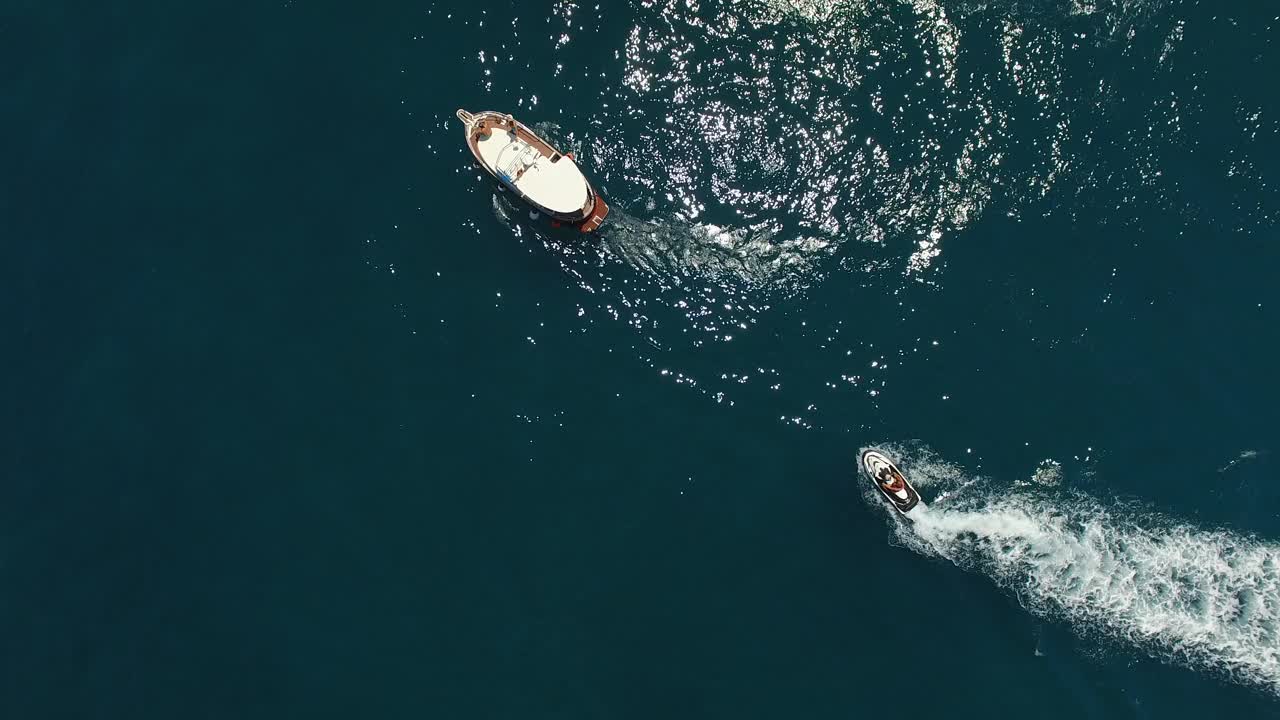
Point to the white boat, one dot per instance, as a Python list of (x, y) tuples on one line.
[(546, 179), (889, 481)]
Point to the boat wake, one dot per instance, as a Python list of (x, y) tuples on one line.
[(750, 257), (1206, 599), (759, 255)]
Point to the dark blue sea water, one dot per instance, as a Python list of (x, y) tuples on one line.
[(304, 418)]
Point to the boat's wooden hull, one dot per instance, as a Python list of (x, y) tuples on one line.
[(531, 168)]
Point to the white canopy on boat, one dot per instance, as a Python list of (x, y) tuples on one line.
[(557, 186)]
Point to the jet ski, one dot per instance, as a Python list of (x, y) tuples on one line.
[(889, 481)]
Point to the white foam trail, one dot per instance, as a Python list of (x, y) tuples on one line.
[(1205, 599), (749, 257)]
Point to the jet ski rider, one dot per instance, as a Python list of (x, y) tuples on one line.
[(889, 480)]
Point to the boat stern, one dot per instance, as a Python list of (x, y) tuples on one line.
[(599, 211)]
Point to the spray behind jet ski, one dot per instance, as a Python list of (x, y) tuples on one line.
[(1202, 597)]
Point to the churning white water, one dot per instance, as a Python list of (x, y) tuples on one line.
[(1203, 598)]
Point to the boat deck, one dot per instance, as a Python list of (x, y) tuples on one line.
[(558, 186)]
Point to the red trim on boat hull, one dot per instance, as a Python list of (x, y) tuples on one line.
[(599, 212)]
